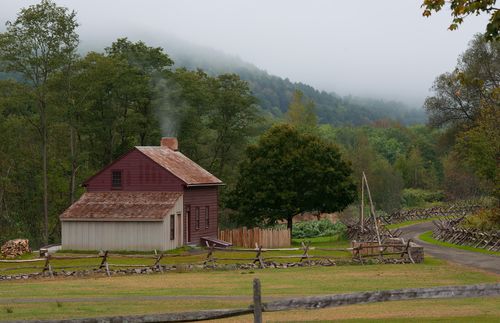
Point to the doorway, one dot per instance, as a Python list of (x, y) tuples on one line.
[(179, 229)]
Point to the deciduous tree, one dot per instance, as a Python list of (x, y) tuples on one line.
[(39, 43), (289, 172), (461, 9)]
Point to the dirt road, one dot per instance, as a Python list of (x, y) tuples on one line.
[(489, 263)]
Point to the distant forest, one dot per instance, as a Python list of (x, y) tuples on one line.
[(274, 93)]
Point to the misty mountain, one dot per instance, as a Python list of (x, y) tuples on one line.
[(274, 93)]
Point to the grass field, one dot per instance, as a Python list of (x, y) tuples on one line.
[(101, 296), (178, 256), (407, 223), (427, 237)]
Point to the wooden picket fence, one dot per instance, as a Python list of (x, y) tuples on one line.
[(248, 238)]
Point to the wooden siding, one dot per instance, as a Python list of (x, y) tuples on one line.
[(139, 173), (200, 197), (125, 235)]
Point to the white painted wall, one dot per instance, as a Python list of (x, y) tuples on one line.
[(123, 235)]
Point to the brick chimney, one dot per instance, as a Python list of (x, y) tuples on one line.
[(169, 142)]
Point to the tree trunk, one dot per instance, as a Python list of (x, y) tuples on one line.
[(289, 222), (72, 181), (43, 126)]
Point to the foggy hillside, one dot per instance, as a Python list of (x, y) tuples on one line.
[(274, 93)]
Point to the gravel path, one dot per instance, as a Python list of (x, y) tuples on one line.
[(478, 260)]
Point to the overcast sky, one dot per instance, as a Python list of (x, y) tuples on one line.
[(383, 49)]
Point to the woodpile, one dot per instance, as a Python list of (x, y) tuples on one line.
[(15, 248)]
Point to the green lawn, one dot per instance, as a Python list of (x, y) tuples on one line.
[(179, 256), (407, 223), (275, 282), (76, 297), (427, 237)]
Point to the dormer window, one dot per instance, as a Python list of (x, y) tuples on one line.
[(116, 179)]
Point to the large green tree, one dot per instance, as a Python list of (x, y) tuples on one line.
[(466, 104), (289, 172), (41, 42), (460, 95)]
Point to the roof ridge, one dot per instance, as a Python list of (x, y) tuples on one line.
[(183, 168)]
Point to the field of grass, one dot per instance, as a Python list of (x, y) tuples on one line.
[(427, 237), (175, 257), (102, 296), (407, 223)]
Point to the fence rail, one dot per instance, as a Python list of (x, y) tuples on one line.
[(450, 231), (454, 210), (247, 238), (310, 303), (397, 251)]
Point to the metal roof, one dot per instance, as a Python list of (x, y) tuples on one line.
[(121, 206), (181, 166)]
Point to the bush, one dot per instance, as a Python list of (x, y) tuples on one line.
[(321, 228), (484, 220), (414, 197)]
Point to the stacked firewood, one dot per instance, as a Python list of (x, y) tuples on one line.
[(15, 248)]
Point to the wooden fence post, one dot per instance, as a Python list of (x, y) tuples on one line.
[(47, 266), (305, 255), (408, 251), (157, 264), (257, 301), (104, 263), (210, 254), (258, 256)]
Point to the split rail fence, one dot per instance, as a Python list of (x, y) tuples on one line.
[(310, 303), (432, 212), (48, 262), (449, 231), (397, 251), (247, 238), (388, 252)]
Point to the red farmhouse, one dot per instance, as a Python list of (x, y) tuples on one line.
[(150, 198)]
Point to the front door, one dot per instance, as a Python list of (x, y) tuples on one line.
[(188, 227), (179, 229)]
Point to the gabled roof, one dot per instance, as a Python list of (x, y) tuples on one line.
[(121, 206), (179, 165)]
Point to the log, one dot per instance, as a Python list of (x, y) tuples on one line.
[(168, 317), (314, 302)]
